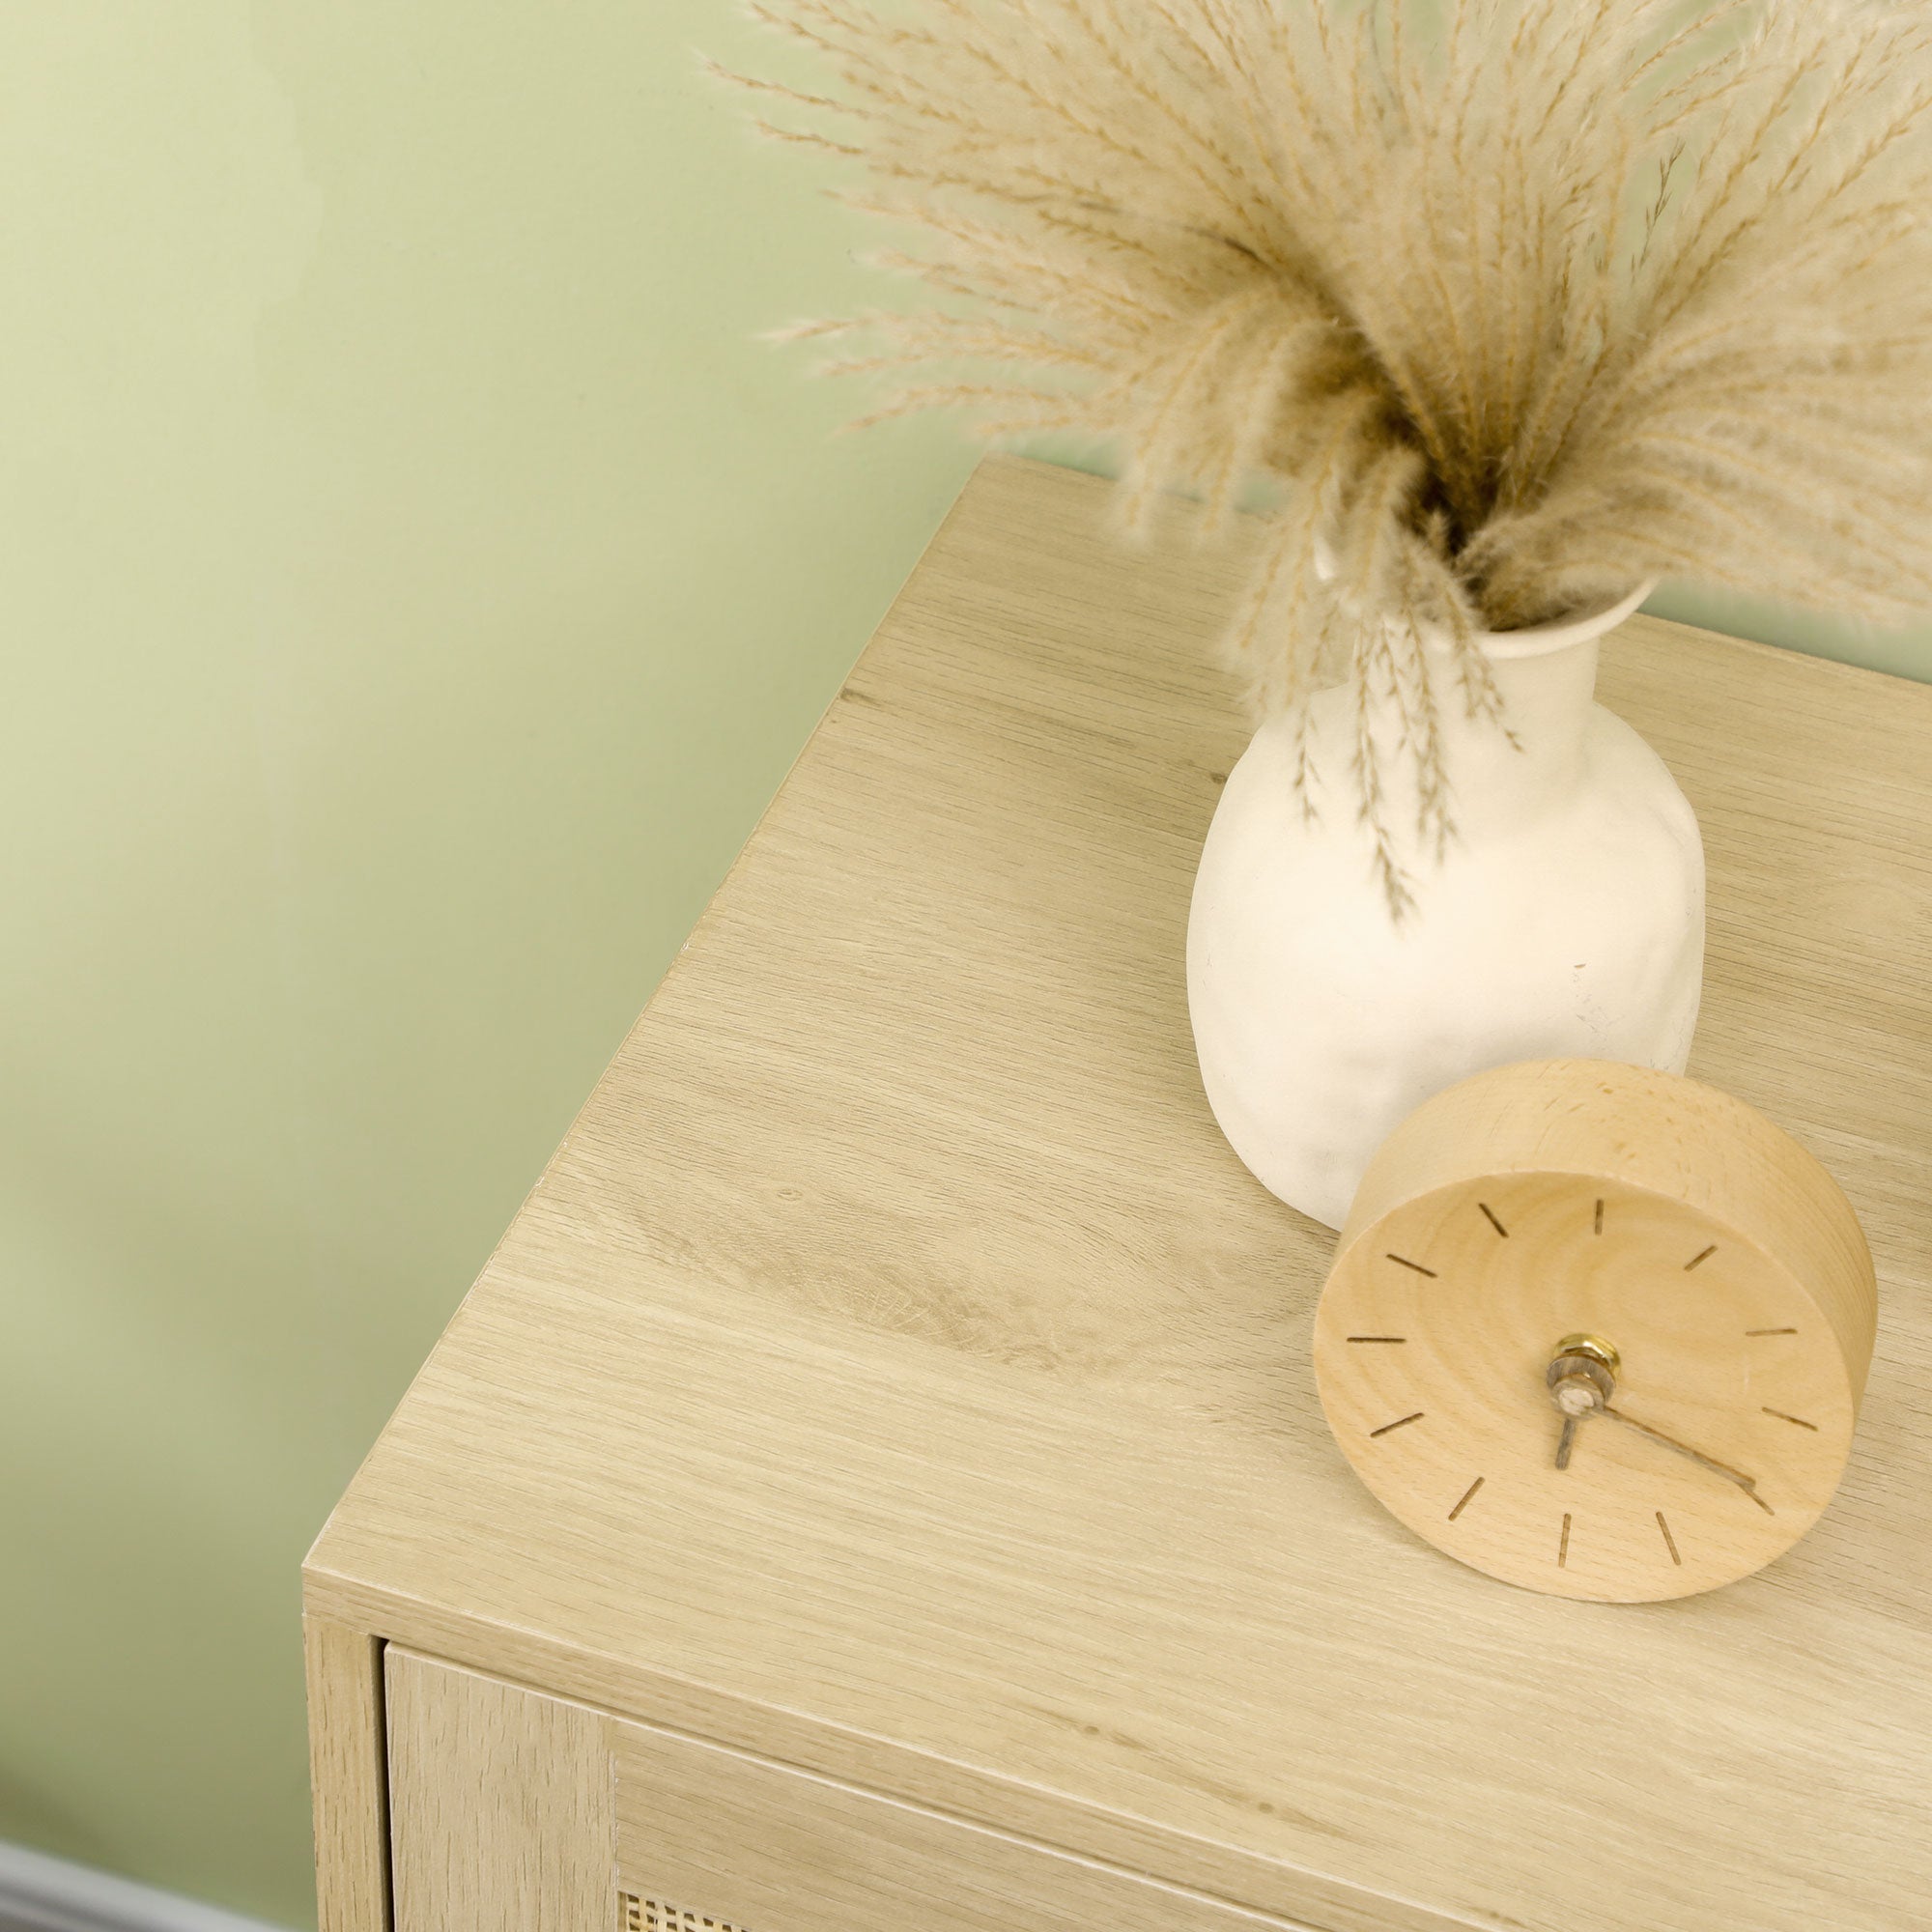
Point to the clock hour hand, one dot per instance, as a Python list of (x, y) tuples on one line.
[(1565, 1442)]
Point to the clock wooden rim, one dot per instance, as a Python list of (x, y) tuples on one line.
[(1666, 1133), (1637, 1136)]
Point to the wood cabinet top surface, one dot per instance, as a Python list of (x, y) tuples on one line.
[(895, 1374)]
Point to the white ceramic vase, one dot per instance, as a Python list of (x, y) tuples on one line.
[(1566, 918)]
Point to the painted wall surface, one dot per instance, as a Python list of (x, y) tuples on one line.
[(413, 580)]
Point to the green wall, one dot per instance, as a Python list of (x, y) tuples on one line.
[(415, 579)]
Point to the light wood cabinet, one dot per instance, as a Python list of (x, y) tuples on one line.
[(516, 1809), (878, 1484)]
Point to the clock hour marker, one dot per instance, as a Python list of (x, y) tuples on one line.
[(1771, 1331), (1702, 1255), (1799, 1419), (1398, 1423), (1599, 1229), (1379, 1338), (1493, 1222), (1402, 1261), (1669, 1541), (1563, 1545), (1464, 1502)]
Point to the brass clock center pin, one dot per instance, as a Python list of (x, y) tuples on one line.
[(1582, 1374)]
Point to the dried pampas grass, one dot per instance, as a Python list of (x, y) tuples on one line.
[(1519, 302)]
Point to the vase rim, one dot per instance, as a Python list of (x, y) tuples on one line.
[(1538, 639)]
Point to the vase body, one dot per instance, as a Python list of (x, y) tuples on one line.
[(1566, 917)]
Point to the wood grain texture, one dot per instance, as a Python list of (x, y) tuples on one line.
[(501, 1806), (1716, 1258), (895, 1374), (778, 1850), (348, 1777), (722, 1835), (1684, 1139)]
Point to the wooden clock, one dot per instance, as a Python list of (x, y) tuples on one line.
[(1597, 1330)]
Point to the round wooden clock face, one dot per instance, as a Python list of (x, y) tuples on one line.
[(1582, 1387)]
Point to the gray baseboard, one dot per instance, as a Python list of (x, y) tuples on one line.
[(43, 1894)]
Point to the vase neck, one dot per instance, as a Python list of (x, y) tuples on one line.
[(1501, 779)]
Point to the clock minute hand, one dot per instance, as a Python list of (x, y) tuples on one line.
[(1748, 1484)]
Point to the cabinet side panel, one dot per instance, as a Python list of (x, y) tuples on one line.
[(500, 1803), (348, 1776)]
